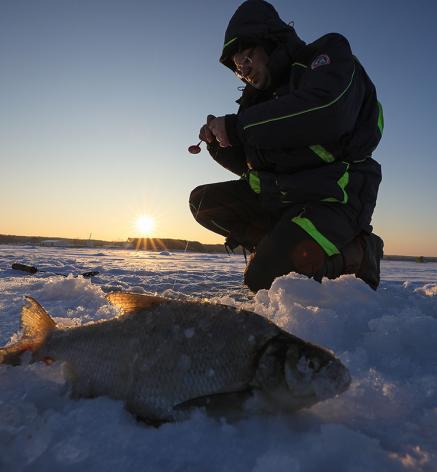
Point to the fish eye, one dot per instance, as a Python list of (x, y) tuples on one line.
[(314, 364)]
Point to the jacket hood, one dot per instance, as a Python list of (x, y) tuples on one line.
[(257, 22)]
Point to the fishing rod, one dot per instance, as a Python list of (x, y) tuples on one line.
[(33, 270)]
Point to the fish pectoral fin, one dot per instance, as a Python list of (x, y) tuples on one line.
[(219, 403), (130, 302)]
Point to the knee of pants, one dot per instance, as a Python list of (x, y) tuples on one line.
[(308, 258), (196, 196)]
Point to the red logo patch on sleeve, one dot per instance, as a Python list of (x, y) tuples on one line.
[(322, 60)]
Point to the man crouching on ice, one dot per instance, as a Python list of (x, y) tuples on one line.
[(302, 143)]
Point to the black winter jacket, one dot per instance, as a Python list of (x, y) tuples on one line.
[(311, 135)]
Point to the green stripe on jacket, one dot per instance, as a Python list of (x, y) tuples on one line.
[(342, 183), (308, 226), (324, 154), (303, 111)]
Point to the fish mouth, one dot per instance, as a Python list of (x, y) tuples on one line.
[(326, 382), (333, 379)]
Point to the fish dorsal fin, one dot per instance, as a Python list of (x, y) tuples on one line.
[(35, 321), (130, 302)]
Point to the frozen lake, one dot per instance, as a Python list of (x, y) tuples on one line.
[(386, 421)]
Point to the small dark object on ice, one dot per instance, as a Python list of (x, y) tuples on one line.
[(25, 268), (34, 270)]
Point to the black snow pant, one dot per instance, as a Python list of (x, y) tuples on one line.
[(303, 238)]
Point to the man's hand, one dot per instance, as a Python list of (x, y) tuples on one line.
[(205, 133), (218, 129), (214, 129)]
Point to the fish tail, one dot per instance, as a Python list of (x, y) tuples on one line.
[(36, 325)]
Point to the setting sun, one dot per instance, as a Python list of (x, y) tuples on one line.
[(145, 224)]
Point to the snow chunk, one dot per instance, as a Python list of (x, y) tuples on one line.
[(430, 290)]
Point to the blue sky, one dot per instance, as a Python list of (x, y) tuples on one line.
[(100, 99)]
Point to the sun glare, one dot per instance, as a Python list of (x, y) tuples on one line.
[(145, 225)]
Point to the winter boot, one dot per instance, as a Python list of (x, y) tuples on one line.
[(231, 244), (369, 270), (362, 257), (352, 255)]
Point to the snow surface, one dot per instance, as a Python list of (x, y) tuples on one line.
[(386, 421)]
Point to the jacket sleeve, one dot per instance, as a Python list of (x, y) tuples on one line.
[(321, 111), (231, 158)]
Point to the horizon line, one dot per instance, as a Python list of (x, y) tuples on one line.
[(60, 238)]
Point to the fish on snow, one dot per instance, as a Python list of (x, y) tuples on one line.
[(165, 357)]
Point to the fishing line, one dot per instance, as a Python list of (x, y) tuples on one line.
[(187, 242)]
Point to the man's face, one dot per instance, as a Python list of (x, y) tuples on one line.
[(251, 66)]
